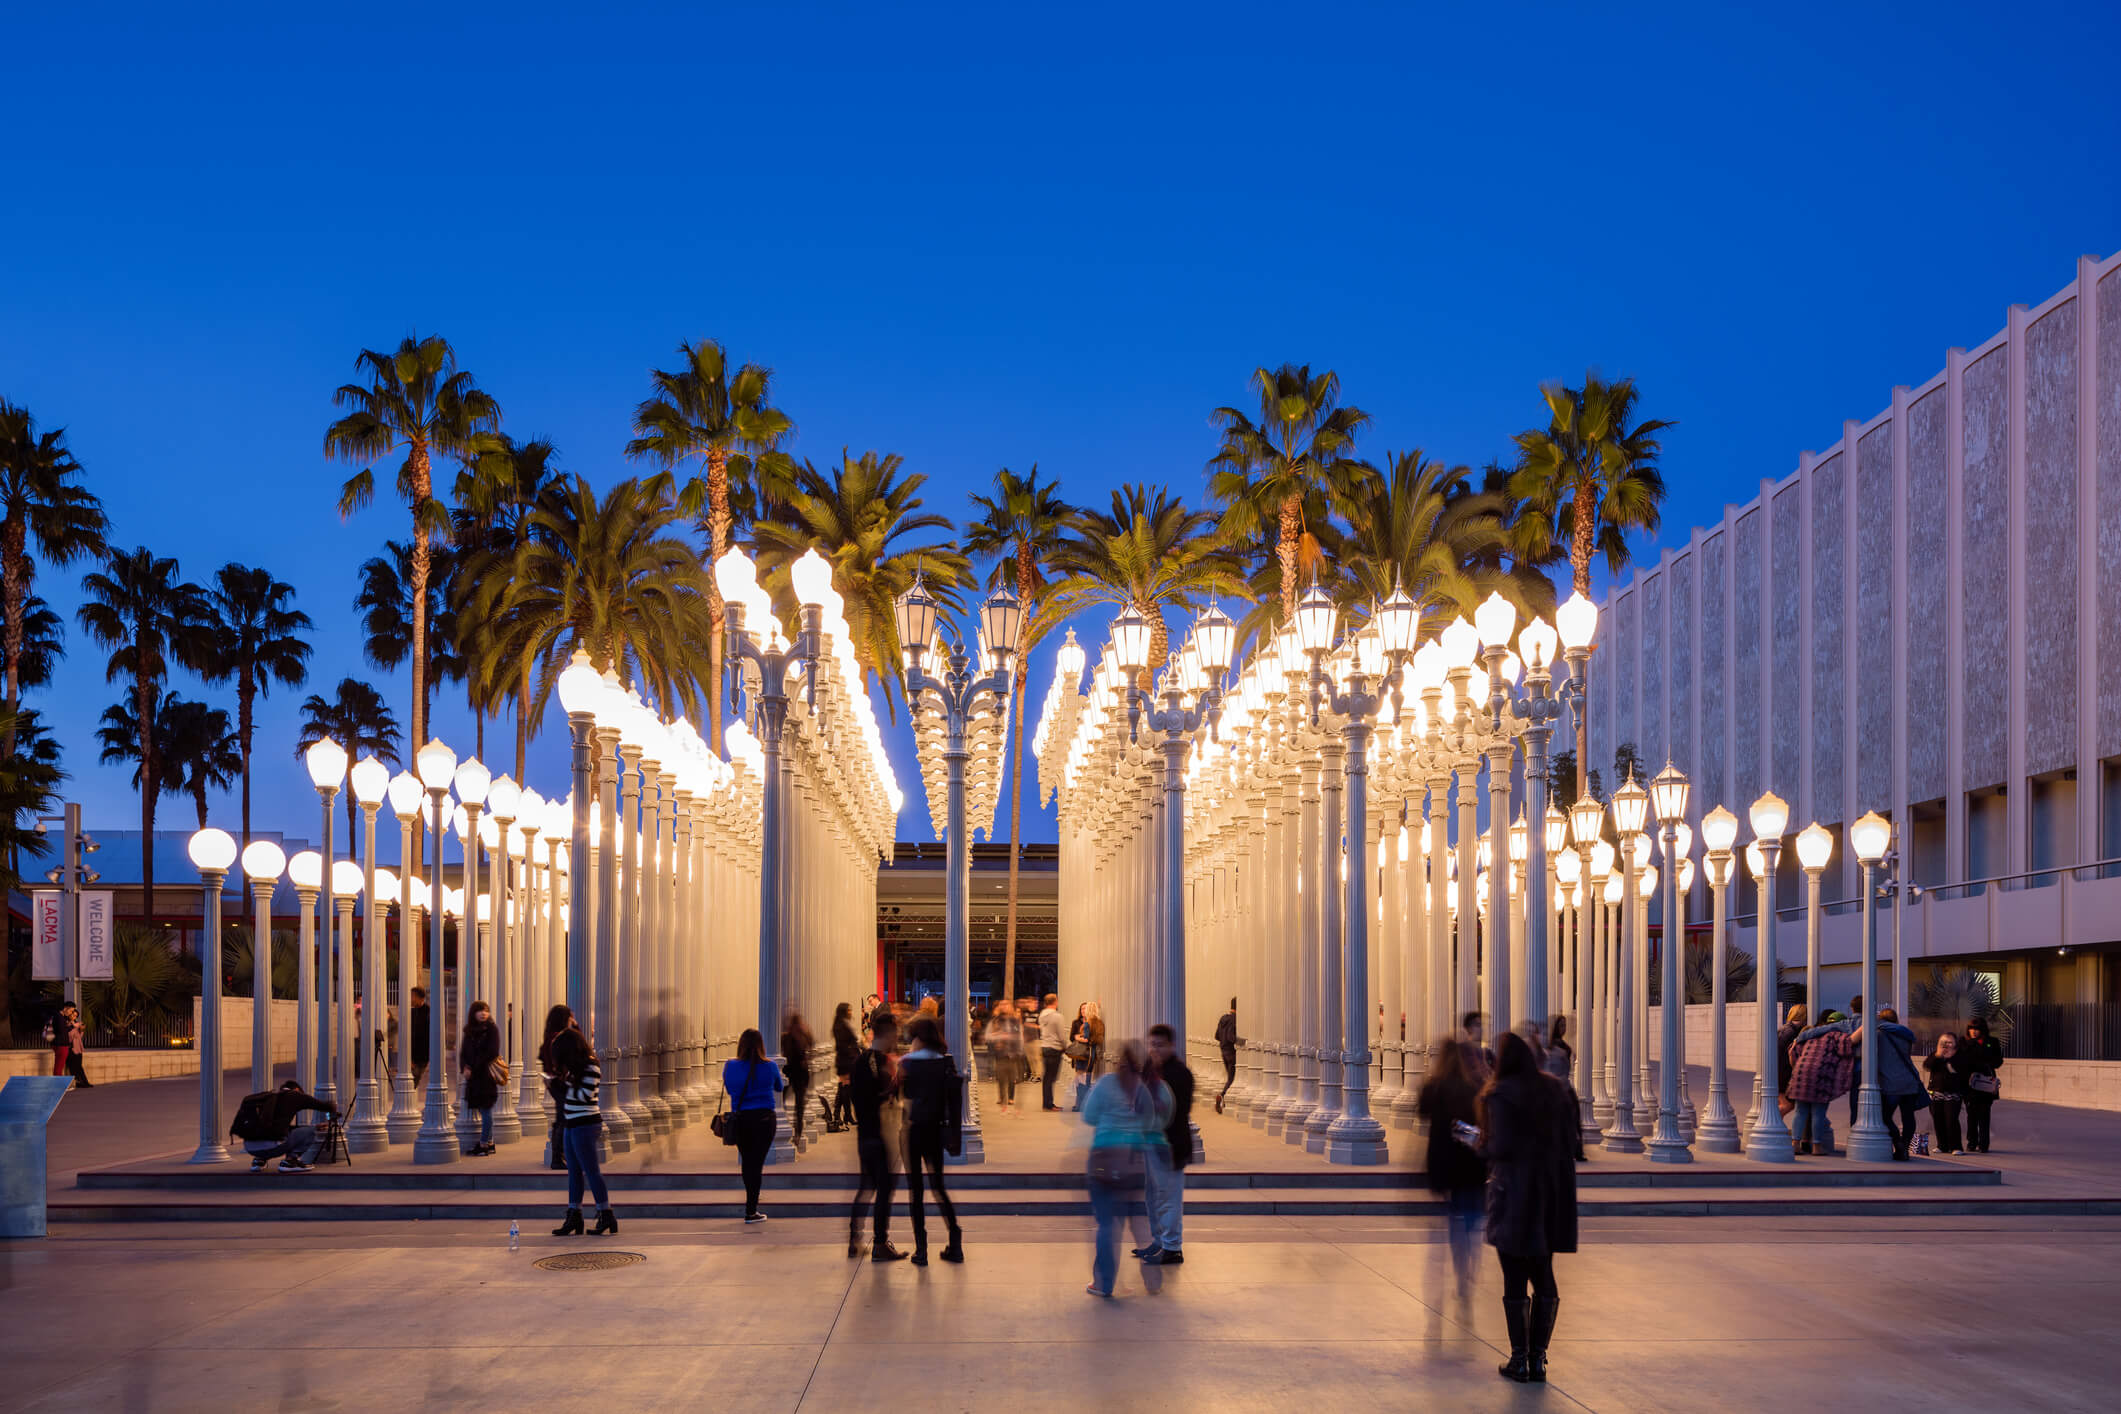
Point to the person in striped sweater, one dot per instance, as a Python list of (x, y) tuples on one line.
[(571, 1078)]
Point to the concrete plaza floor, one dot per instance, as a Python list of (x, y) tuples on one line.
[(1267, 1314)]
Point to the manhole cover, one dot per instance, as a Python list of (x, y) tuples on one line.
[(589, 1261)]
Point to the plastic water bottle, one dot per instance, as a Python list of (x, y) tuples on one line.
[(515, 1234)]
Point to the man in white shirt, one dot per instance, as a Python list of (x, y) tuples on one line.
[(1052, 1037)]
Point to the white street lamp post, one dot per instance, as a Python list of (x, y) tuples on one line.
[(1586, 826), (1718, 1133), (262, 863), (368, 1132), (306, 872), (1769, 1139), (1631, 805), (403, 1126), (435, 1144), (1870, 1141), (1668, 1145), (212, 851)]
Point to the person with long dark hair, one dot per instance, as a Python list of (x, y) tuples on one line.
[(1127, 1109), (1528, 1130), (846, 1045), (572, 1078), (753, 1084), (1455, 1168), (1980, 1057), (931, 1095), (478, 1047), (873, 1082)]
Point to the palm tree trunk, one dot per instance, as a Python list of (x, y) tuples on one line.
[(422, 489), (246, 691), (1285, 546), (522, 723), (14, 577), (150, 787), (718, 521), (478, 732), (1581, 541)]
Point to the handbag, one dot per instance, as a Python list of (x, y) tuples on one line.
[(724, 1122), (1987, 1085), (498, 1069), (1077, 1051), (1116, 1166)]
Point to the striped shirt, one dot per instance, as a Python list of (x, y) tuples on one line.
[(577, 1093)]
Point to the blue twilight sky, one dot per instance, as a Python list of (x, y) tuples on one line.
[(997, 236)]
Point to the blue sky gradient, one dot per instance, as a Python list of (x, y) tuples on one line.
[(995, 236)]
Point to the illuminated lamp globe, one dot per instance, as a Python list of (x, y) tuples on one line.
[(437, 765), (346, 878), (1719, 830), (1495, 620), (505, 798), (581, 690), (1871, 836), (212, 850), (371, 781), (1577, 622), (1771, 816), (1815, 845), (326, 760), (306, 870), (264, 860), (811, 575)]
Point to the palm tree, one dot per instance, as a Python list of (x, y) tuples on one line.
[(199, 751), (418, 399), (1589, 478), (1023, 526), (137, 608), (1280, 470), (43, 642), (357, 717), (702, 411), (495, 495), (28, 782), (255, 642), (388, 612), (858, 515), (38, 499), (1422, 526), (616, 576), (1150, 553)]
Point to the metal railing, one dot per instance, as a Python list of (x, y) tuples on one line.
[(2049, 877)]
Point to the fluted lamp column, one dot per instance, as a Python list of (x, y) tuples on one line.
[(1631, 805), (368, 1132), (263, 862), (1769, 1139), (1718, 1133), (1668, 1145), (405, 802), (1586, 831), (435, 1144), (1870, 1141), (212, 851), (1815, 846)]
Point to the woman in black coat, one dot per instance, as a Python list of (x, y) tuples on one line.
[(1455, 1168), (1528, 1131), (477, 1050), (846, 1049), (1980, 1057)]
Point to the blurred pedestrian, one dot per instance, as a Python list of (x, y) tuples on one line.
[(572, 1078), (478, 1050), (1227, 1041), (796, 1042), (1448, 1104), (1167, 1161), (420, 1018), (1527, 1129), (931, 1097), (1822, 1065), (1127, 1111), (1980, 1057), (874, 1082), (1479, 1057), (753, 1084), (1785, 1058), (1005, 1053)]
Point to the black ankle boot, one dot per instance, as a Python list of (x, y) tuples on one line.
[(607, 1222), (1517, 1367), (954, 1250), (572, 1227), (920, 1254), (1544, 1311)]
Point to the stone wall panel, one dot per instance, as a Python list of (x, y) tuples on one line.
[(1873, 623), (1984, 580), (1829, 564), (1928, 439), (2051, 541)]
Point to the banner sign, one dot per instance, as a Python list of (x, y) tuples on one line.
[(96, 934), (46, 955)]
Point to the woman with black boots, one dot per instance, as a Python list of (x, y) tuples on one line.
[(1528, 1131), (477, 1050), (1980, 1057), (572, 1078), (846, 1049), (931, 1092), (753, 1085)]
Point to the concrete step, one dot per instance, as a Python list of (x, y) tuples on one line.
[(291, 1198), (506, 1172)]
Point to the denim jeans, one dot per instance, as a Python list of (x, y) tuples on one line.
[(1467, 1213), (1167, 1199), (1812, 1124), (485, 1124), (302, 1143), (580, 1142), (1112, 1205)]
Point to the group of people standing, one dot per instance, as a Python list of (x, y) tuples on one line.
[(1818, 1065)]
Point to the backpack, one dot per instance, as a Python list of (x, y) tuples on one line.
[(255, 1117)]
